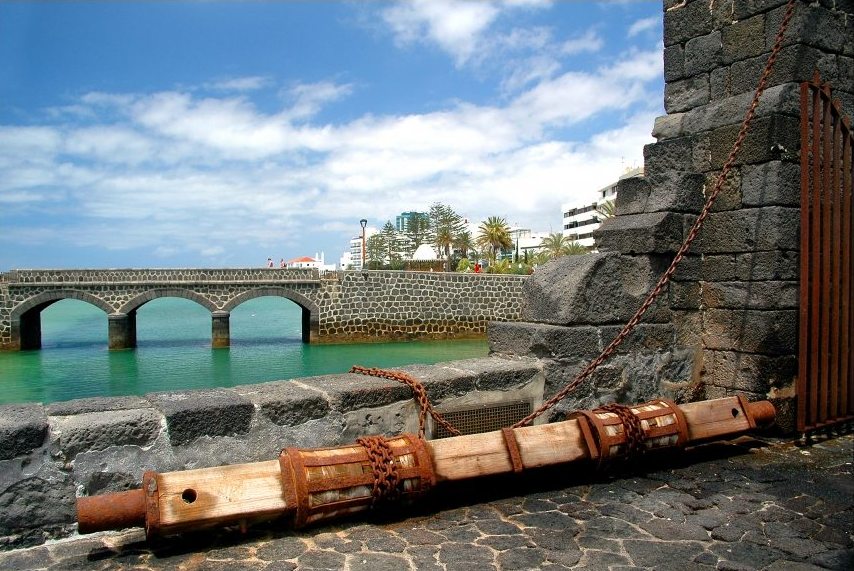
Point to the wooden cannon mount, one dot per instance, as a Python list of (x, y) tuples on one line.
[(312, 485)]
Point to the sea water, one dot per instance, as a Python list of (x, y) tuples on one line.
[(174, 352)]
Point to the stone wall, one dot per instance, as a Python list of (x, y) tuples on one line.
[(337, 306), (728, 322), (51, 454)]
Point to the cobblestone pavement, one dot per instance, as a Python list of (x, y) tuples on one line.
[(748, 504)]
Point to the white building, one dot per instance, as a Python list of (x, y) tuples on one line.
[(525, 240), (581, 218), (309, 263), (355, 253)]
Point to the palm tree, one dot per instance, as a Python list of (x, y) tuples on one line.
[(464, 243), (557, 245), (606, 209), (494, 234), (445, 226)]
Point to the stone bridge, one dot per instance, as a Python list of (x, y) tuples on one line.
[(336, 306)]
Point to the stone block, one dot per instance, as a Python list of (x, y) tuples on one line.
[(751, 331), (730, 109), (495, 373), (813, 26), (23, 428), (545, 341), (748, 371), (743, 39), (674, 62), (750, 229), (37, 506), (685, 295), (686, 21), (746, 8), (286, 403), (352, 391), (703, 54), (193, 414), (645, 337), (654, 233), (632, 195), (100, 430), (794, 64), (441, 381), (769, 184), (769, 139), (591, 289), (683, 154), (686, 94), (774, 265), (729, 198), (751, 295), (96, 404), (675, 191), (668, 126)]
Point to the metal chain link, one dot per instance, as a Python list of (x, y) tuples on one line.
[(692, 234), (632, 428), (386, 478), (420, 394)]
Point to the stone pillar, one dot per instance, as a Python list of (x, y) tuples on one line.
[(122, 330), (27, 332), (220, 329)]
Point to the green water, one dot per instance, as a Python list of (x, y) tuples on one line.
[(174, 353)]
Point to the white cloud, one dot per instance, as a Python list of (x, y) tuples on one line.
[(588, 42), (643, 25), (455, 26), (248, 83)]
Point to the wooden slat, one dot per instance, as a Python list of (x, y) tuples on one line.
[(223, 494)]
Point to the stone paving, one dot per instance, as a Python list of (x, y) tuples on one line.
[(748, 504)]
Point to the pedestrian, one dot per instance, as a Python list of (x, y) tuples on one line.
[(269, 262), (282, 263)]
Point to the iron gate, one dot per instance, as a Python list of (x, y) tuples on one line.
[(825, 386)]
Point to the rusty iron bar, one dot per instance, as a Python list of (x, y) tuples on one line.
[(825, 375), (692, 233)]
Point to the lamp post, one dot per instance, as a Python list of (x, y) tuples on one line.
[(363, 223)]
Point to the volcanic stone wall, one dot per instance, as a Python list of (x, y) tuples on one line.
[(728, 322), (369, 306)]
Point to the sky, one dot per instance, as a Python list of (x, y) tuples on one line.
[(218, 134)]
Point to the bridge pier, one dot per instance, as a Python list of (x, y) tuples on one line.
[(220, 329), (122, 330), (27, 332)]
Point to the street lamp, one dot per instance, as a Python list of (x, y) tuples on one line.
[(364, 223)]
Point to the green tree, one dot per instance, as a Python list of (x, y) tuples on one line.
[(389, 234), (417, 230), (465, 244), (445, 226), (606, 209), (494, 236), (375, 251), (556, 245)]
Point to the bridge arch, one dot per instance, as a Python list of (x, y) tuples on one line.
[(135, 303), (26, 317), (310, 310)]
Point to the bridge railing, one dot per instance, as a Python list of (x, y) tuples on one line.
[(154, 275)]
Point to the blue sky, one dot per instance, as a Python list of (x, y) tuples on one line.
[(216, 134)]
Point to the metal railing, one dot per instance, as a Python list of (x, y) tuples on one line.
[(825, 385)]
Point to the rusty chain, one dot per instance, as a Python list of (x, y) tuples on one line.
[(632, 428), (420, 394), (692, 234), (386, 478)]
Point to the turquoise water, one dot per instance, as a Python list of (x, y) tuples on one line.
[(174, 353)]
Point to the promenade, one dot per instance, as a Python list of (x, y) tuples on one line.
[(747, 504)]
